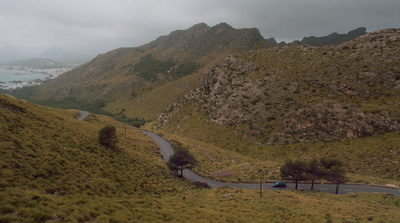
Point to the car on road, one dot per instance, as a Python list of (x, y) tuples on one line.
[(279, 184)]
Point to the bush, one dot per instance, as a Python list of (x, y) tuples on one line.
[(108, 136), (148, 67), (180, 160)]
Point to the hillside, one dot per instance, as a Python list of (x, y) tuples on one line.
[(49, 155), (61, 56), (303, 97), (291, 94), (130, 78), (53, 170), (47, 148)]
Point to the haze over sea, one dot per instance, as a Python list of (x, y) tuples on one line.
[(7, 75)]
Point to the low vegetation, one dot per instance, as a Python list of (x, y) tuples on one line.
[(97, 107), (369, 160), (65, 175), (108, 136), (55, 168), (330, 169), (297, 101), (181, 160)]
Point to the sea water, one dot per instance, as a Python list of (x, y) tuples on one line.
[(8, 75)]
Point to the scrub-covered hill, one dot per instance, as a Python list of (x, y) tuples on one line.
[(141, 82), (54, 170), (53, 158), (297, 93), (299, 101)]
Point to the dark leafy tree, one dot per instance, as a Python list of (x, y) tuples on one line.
[(180, 160), (313, 171), (337, 175), (108, 136), (293, 170), (328, 163), (334, 171)]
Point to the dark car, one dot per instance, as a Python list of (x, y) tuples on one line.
[(279, 184)]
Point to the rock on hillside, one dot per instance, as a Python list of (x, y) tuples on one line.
[(201, 40), (288, 94)]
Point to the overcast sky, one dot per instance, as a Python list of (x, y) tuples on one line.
[(97, 26)]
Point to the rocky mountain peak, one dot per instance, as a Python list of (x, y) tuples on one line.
[(201, 40), (222, 26)]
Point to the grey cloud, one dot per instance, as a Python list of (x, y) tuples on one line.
[(101, 25)]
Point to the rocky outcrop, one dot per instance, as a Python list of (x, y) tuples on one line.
[(201, 40), (290, 94), (335, 122)]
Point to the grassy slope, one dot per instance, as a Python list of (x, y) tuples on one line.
[(47, 153), (111, 77), (148, 104), (53, 169), (369, 159)]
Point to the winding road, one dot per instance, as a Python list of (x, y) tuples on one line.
[(167, 151), (82, 115)]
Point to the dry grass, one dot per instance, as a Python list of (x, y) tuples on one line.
[(54, 170)]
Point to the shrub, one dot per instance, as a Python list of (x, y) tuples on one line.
[(108, 136), (180, 160)]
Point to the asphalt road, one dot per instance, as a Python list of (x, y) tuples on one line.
[(167, 151), (83, 115)]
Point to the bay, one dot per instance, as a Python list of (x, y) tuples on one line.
[(7, 75)]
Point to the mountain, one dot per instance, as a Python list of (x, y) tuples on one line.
[(333, 38), (37, 63), (60, 55), (11, 53), (129, 81), (52, 53), (292, 94)]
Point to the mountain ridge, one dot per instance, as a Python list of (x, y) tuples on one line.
[(114, 77), (37, 63), (273, 97), (126, 80), (334, 38)]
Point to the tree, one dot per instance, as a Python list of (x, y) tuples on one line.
[(334, 171), (313, 170), (293, 170), (181, 160), (108, 136)]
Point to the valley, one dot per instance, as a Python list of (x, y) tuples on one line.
[(241, 104), (53, 169)]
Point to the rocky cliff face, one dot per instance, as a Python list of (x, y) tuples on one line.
[(201, 40), (291, 94)]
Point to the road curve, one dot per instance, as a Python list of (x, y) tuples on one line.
[(83, 115), (167, 151)]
